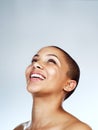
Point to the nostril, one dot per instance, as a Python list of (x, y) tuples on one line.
[(38, 66)]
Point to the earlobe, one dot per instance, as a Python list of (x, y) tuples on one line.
[(70, 85)]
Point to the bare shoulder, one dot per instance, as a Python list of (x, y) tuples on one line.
[(19, 127), (78, 125), (74, 123), (22, 126)]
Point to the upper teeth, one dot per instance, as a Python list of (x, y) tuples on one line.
[(37, 76)]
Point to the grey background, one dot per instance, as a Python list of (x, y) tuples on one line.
[(27, 25)]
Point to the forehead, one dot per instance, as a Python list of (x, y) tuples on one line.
[(51, 50)]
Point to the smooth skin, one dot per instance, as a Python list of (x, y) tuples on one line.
[(48, 91)]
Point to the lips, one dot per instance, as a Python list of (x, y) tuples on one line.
[(37, 76)]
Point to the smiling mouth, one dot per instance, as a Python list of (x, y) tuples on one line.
[(37, 76)]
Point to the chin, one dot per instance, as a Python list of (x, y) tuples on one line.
[(33, 89)]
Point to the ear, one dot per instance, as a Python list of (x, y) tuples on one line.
[(70, 85)]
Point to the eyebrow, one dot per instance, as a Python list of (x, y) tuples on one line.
[(36, 55), (53, 55)]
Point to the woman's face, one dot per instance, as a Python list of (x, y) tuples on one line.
[(47, 72)]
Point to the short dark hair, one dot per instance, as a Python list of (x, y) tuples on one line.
[(74, 70)]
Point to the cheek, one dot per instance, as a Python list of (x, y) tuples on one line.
[(57, 76), (52, 72), (54, 75)]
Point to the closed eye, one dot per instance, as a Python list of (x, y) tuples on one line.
[(52, 61), (34, 60)]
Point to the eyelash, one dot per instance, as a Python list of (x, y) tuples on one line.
[(53, 61), (34, 60), (49, 60)]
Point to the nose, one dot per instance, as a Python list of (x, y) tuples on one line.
[(37, 65)]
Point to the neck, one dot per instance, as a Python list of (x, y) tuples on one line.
[(44, 110)]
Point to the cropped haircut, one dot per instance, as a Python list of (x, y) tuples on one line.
[(74, 70)]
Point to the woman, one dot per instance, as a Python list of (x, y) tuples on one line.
[(51, 78)]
